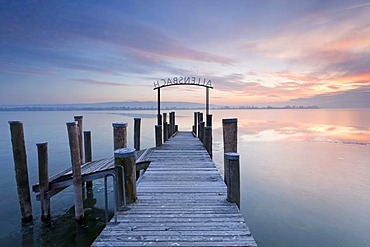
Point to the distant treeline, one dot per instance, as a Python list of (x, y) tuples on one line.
[(270, 107), (120, 108)]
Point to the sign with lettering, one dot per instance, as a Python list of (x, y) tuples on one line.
[(182, 80)]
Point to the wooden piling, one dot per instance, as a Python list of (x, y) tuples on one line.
[(209, 120), (174, 119), (165, 132), (233, 185), (165, 128), (88, 154), (42, 151), (208, 140), (158, 135), (76, 170), (230, 140), (119, 135), (137, 124), (195, 123), (170, 126), (21, 171), (126, 158), (79, 120), (200, 117), (201, 131)]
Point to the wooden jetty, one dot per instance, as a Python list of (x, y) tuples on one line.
[(181, 202)]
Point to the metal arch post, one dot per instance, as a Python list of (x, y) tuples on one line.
[(159, 106), (207, 101)]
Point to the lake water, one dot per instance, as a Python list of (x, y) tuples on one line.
[(305, 174)]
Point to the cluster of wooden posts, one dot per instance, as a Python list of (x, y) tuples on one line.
[(81, 153), (164, 130), (203, 130)]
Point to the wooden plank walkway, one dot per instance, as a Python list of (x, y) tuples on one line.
[(89, 171), (181, 202)]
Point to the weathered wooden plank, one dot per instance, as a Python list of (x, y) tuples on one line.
[(244, 243)]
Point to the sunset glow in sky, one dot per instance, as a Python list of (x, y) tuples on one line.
[(255, 52)]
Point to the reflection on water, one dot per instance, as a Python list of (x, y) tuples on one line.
[(300, 186), (281, 131), (306, 194)]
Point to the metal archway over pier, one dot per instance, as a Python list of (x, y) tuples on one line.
[(181, 81)]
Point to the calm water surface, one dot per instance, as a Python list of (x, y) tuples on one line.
[(305, 174)]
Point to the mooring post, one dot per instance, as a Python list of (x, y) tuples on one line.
[(126, 157), (201, 131), (158, 135), (171, 126), (79, 121), (174, 120), (119, 135), (200, 119), (230, 140), (88, 154), (21, 171), (208, 140), (195, 123), (137, 124), (76, 170), (165, 128), (42, 152), (233, 184), (209, 120)]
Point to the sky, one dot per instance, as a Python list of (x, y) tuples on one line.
[(256, 52)]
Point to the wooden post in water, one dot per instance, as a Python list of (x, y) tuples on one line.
[(76, 170), (88, 154), (209, 120), (42, 151), (137, 124), (126, 158), (79, 121), (201, 131), (195, 122), (170, 127), (233, 184), (165, 128), (21, 171), (174, 121), (119, 135), (230, 139), (200, 119), (120, 141), (208, 140), (158, 135)]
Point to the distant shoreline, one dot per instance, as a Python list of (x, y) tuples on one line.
[(55, 108)]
